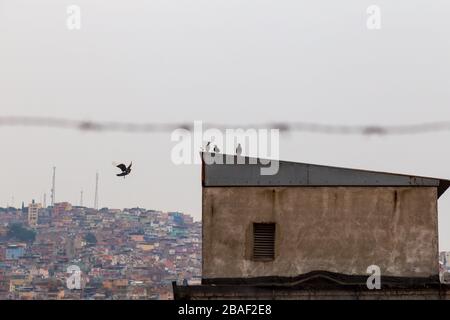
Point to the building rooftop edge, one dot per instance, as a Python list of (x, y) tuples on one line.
[(219, 169)]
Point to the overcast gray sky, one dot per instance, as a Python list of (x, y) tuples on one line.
[(232, 61)]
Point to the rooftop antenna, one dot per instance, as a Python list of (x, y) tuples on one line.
[(53, 188), (96, 192)]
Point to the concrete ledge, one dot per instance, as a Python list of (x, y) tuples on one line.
[(326, 279), (316, 285), (222, 292)]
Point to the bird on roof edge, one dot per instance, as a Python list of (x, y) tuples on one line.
[(125, 170), (239, 149)]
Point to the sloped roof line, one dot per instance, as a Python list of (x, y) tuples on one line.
[(246, 172)]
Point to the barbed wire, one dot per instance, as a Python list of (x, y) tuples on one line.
[(154, 127)]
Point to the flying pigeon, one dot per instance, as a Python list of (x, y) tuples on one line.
[(239, 149), (125, 170)]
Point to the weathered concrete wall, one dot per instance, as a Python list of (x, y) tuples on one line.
[(337, 229)]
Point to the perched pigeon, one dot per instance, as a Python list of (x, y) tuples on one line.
[(239, 149), (208, 145), (216, 149), (125, 170)]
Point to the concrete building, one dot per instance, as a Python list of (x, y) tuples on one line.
[(315, 226), (61, 207), (33, 214)]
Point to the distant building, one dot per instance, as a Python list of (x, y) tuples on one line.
[(447, 260), (14, 252), (61, 207), (33, 214), (444, 264), (3, 231), (318, 229)]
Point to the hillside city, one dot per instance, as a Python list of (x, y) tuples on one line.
[(121, 254)]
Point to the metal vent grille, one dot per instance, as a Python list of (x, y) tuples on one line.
[(263, 241)]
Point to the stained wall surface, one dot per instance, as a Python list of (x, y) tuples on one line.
[(337, 229)]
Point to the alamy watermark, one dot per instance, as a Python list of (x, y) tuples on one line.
[(73, 21), (227, 147), (374, 280), (374, 17), (73, 281)]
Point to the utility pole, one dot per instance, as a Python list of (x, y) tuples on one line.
[(53, 187), (96, 192), (81, 198)]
